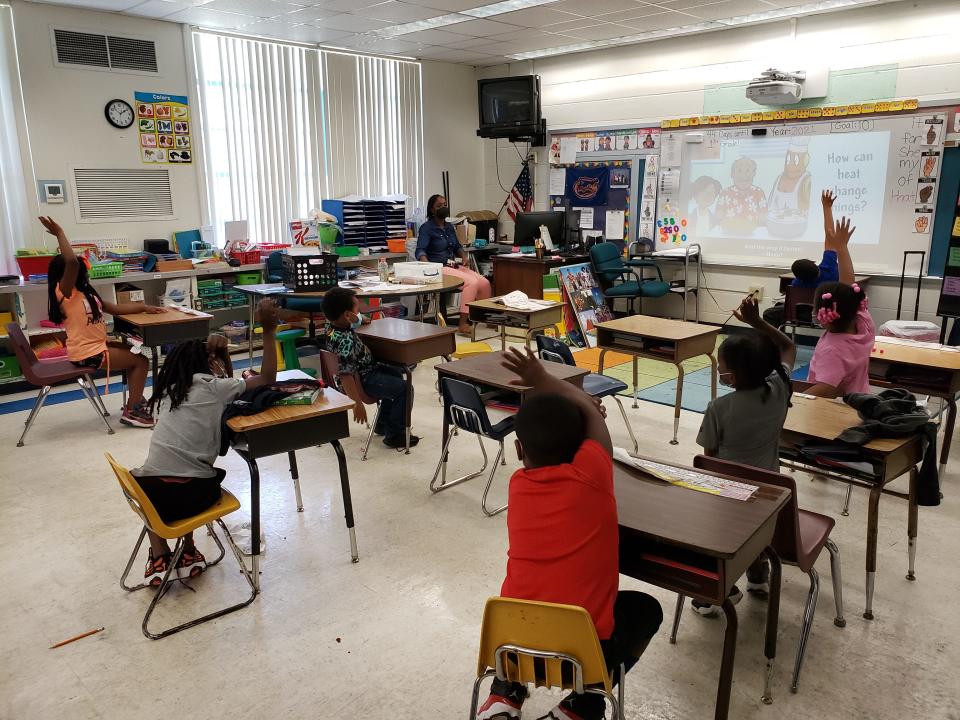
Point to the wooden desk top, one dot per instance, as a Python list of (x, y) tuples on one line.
[(330, 402), (823, 419), (492, 304), (659, 328), (486, 368), (908, 355), (403, 332), (709, 524), (170, 317)]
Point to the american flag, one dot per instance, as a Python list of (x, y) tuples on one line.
[(520, 198)]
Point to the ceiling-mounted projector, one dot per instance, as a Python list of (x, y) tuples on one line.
[(776, 87)]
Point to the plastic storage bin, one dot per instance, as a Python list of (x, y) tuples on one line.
[(310, 272), (34, 264)]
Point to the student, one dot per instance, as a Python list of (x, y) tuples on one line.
[(189, 397), (806, 273), (744, 426), (563, 532), (437, 242), (384, 382), (841, 358), (73, 301)]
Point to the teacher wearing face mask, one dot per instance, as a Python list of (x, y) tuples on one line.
[(437, 242)]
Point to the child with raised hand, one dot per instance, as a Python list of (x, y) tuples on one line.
[(74, 302), (563, 532), (386, 383), (193, 388), (840, 361), (744, 426)]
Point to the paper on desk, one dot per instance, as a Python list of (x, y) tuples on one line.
[(689, 479), (614, 225), (293, 375), (915, 343), (266, 289), (568, 151), (558, 181), (676, 252), (586, 217), (518, 300)]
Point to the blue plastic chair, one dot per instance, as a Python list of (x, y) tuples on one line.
[(612, 272), (464, 409), (594, 384)]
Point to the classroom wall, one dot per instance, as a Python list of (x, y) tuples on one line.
[(450, 134), (64, 109), (905, 50)]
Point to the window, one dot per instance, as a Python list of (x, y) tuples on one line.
[(15, 221), (285, 126)]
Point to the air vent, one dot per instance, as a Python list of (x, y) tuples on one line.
[(104, 52), (115, 195)]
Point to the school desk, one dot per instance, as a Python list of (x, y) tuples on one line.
[(285, 430), (924, 371), (787, 279), (486, 371), (698, 545), (672, 341), (170, 327), (513, 272), (495, 313), (405, 343), (818, 421), (277, 291)]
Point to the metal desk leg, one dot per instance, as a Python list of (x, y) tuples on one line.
[(947, 439), (713, 376), (726, 665), (154, 362), (676, 404), (773, 618), (295, 474), (873, 512), (912, 524), (250, 334), (603, 354), (635, 391), (347, 501), (254, 518), (408, 376)]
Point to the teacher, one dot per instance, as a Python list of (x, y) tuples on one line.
[(437, 242)]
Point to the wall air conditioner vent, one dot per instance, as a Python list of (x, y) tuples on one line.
[(104, 52), (122, 195)]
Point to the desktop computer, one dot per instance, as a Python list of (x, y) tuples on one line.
[(526, 227)]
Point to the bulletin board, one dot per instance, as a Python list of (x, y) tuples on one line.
[(619, 177), (949, 303)]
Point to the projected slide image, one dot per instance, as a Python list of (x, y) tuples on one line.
[(767, 189)]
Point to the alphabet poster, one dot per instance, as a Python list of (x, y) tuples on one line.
[(164, 128)]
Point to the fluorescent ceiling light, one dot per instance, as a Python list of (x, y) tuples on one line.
[(428, 24), (506, 6), (765, 16)]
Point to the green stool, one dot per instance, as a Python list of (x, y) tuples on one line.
[(288, 344)]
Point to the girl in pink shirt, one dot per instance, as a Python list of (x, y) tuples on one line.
[(840, 361)]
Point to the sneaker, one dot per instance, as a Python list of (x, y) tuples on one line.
[(498, 708), (708, 610), (399, 440), (138, 416), (560, 713), (193, 561), (759, 589), (156, 569)]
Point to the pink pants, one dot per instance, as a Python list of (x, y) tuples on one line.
[(475, 286)]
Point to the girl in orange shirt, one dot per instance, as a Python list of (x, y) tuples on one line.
[(74, 302)]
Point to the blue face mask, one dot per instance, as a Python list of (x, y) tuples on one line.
[(356, 323)]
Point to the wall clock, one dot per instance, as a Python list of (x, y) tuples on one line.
[(119, 113)]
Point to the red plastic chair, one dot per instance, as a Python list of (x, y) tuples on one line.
[(44, 374), (352, 388), (799, 538)]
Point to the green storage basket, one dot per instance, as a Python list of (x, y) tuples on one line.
[(347, 250), (9, 368), (248, 278), (106, 270)]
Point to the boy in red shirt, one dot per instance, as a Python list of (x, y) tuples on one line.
[(562, 526)]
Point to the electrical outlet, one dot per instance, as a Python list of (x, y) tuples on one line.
[(757, 292)]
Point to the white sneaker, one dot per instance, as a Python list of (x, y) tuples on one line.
[(761, 589), (706, 610), (498, 708)]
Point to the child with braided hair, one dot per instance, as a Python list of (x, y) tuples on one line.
[(840, 361), (192, 389)]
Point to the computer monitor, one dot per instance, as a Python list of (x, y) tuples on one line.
[(526, 227)]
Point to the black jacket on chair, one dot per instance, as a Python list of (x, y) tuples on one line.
[(894, 414)]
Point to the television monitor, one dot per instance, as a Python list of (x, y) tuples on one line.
[(509, 106), (526, 227)]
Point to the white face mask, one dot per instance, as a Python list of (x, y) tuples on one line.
[(722, 377)]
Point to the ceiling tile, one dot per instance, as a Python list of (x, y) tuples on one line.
[(589, 8), (437, 37), (464, 42), (398, 12), (536, 17), (157, 8), (677, 4), (483, 28), (451, 5), (468, 57), (505, 48), (211, 19), (630, 18), (603, 31), (571, 25), (374, 44), (309, 14), (661, 21), (112, 5), (345, 5), (311, 34), (730, 8), (268, 28), (253, 8), (352, 23)]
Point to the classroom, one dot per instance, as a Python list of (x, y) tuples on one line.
[(479, 359)]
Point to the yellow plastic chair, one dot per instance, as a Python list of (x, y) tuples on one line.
[(471, 348), (546, 645), (142, 506)]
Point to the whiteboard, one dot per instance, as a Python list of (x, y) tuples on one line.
[(755, 199)]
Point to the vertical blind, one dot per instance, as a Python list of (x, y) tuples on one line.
[(285, 126)]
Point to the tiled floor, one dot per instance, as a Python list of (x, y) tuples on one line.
[(395, 636)]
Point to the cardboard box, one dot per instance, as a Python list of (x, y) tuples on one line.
[(174, 265), (129, 294)]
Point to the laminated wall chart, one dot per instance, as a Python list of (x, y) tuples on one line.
[(164, 128)]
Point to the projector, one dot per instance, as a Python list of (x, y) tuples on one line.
[(775, 87)]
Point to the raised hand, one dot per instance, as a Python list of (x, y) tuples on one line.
[(749, 311), (269, 314), (842, 231), (52, 226), (826, 199), (526, 365)]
